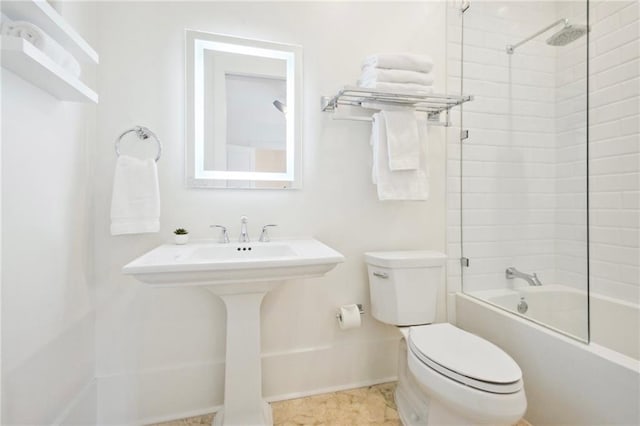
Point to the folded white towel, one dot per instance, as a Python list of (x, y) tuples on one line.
[(403, 143), (401, 184), (402, 88), (135, 201), (400, 61), (381, 75), (34, 35)]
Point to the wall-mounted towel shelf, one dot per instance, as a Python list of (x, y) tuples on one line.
[(33, 65), (40, 13), (431, 104)]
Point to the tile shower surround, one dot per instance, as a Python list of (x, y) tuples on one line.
[(525, 161)]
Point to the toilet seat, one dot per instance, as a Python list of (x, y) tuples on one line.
[(465, 358)]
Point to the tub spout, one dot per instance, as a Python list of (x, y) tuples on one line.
[(512, 273)]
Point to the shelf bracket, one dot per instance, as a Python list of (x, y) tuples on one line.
[(434, 119), (325, 104)]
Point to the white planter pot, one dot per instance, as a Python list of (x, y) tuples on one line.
[(181, 238)]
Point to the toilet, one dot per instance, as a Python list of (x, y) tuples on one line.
[(446, 376)]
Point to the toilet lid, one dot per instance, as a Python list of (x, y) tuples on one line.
[(465, 357)]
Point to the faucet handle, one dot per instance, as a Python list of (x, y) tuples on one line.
[(264, 237), (225, 234)]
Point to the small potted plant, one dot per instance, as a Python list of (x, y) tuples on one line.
[(181, 236)]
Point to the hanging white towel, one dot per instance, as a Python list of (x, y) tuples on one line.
[(135, 201), (401, 184), (36, 36), (400, 61), (381, 75), (403, 143)]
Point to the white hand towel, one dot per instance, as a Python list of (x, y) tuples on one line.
[(401, 184), (381, 75), (403, 143), (34, 35), (400, 61), (402, 88), (135, 202)]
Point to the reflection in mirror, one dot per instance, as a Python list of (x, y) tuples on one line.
[(265, 142), (243, 112)]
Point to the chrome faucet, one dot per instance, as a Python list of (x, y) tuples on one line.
[(512, 273), (244, 235)]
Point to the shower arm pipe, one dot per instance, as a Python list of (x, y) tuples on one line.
[(512, 47)]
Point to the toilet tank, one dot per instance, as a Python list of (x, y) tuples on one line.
[(404, 285)]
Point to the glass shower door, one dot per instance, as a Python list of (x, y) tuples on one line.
[(523, 167)]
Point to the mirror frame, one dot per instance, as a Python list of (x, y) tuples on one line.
[(196, 175)]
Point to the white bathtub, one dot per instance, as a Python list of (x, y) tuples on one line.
[(615, 324), (567, 382)]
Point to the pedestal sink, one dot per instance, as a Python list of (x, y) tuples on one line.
[(240, 274)]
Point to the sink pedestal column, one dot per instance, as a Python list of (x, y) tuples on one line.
[(243, 403)]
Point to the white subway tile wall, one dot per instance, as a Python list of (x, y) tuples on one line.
[(614, 149), (510, 159), (571, 153), (524, 184)]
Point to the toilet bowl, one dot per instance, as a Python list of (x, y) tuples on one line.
[(469, 380), (446, 376)]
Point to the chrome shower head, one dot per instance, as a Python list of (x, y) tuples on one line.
[(567, 34)]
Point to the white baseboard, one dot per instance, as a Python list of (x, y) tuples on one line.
[(320, 391), (177, 392)]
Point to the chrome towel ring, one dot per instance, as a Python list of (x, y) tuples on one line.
[(143, 133)]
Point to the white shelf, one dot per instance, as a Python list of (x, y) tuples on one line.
[(33, 65), (40, 13)]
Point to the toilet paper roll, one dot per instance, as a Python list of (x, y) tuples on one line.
[(349, 317)]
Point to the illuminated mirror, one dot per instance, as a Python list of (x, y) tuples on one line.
[(243, 118)]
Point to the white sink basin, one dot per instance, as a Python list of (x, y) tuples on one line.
[(235, 252), (240, 274), (209, 263)]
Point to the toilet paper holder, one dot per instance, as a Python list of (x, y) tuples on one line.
[(360, 308)]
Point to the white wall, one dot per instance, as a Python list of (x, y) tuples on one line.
[(48, 314), (614, 151), (160, 353)]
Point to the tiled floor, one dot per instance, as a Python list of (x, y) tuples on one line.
[(373, 405)]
